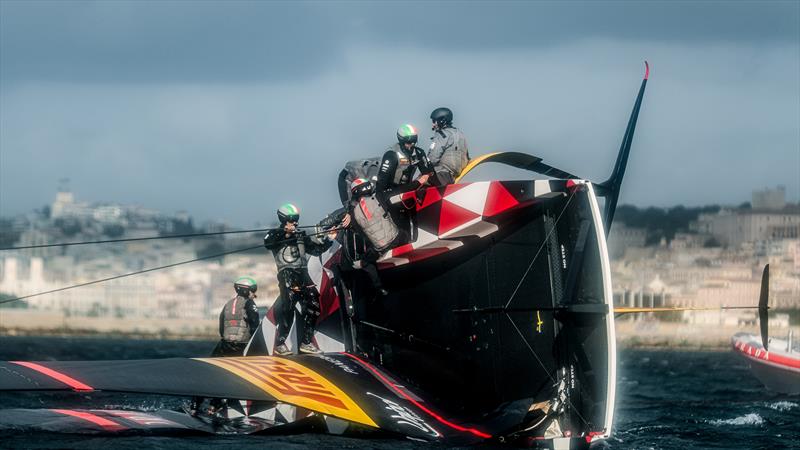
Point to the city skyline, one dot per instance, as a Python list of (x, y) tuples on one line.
[(268, 219)]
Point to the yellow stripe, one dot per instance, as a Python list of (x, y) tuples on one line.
[(290, 382), (626, 310), (474, 162)]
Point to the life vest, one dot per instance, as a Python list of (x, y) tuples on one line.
[(402, 175), (375, 222), (449, 151), (234, 318), (292, 253)]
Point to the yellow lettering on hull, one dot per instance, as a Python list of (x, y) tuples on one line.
[(290, 382)]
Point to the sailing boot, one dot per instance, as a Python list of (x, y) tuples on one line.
[(310, 349), (282, 350)]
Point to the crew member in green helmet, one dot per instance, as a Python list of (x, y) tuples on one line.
[(291, 248), (238, 319)]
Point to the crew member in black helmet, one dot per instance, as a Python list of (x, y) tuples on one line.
[(238, 319), (291, 248), (448, 152)]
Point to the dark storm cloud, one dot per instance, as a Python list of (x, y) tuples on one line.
[(262, 41), (163, 41), (471, 25)]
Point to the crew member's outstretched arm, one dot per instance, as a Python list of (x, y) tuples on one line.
[(252, 318), (273, 238)]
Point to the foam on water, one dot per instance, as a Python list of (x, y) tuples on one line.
[(747, 419), (782, 406)]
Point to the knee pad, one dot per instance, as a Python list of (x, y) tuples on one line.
[(311, 301)]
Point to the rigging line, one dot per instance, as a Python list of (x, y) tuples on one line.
[(171, 236), (152, 269), (544, 242), (158, 268), (545, 368)]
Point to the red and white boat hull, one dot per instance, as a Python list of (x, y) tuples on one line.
[(778, 369)]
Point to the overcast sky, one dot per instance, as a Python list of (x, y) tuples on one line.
[(227, 109)]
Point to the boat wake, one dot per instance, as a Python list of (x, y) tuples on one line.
[(747, 419)]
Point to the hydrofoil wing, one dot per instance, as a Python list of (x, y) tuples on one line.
[(339, 385)]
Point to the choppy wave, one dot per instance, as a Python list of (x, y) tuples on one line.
[(148, 407), (747, 419), (782, 406)]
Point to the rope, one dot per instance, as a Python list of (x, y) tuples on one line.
[(544, 241), (130, 274), (171, 236), (159, 268)]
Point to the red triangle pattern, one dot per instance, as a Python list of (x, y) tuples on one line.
[(453, 216), (432, 196), (329, 301), (498, 200), (450, 188), (401, 250)]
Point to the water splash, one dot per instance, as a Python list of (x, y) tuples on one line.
[(782, 406), (747, 419)]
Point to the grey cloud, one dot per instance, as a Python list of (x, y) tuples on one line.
[(211, 41), (122, 41), (234, 151), (474, 25)]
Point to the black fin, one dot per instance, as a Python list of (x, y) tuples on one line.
[(611, 187), (763, 308)]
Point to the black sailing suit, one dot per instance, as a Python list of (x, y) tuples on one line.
[(291, 256)]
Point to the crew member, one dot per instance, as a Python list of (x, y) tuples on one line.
[(291, 248), (359, 168), (448, 152), (373, 222), (396, 173), (238, 319), (399, 163)]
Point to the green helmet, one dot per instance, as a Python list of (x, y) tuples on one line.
[(288, 213), (245, 285), (407, 134)]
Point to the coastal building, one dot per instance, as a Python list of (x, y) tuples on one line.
[(769, 199), (736, 227), (622, 238)]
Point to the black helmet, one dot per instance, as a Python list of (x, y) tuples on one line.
[(442, 116), (288, 213), (244, 286), (407, 134)]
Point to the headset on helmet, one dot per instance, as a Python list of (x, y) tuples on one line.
[(407, 134), (244, 286), (442, 116), (288, 213), (361, 186)]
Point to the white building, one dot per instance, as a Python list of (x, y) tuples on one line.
[(734, 228)]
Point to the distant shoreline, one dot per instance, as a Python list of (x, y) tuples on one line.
[(104, 335)]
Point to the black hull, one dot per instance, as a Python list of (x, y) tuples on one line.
[(484, 362)]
